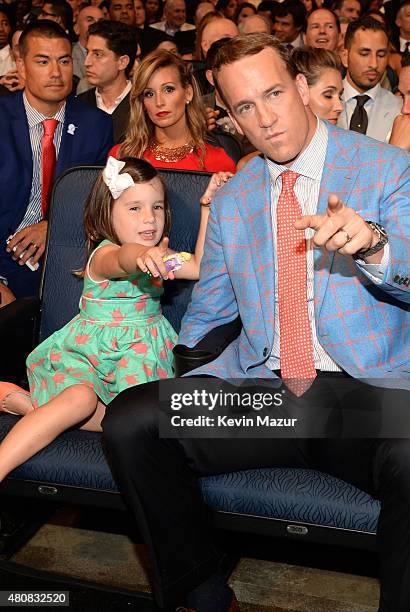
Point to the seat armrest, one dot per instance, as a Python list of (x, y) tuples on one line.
[(187, 359), (207, 349), (18, 327)]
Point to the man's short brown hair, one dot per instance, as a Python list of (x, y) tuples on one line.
[(246, 45), (41, 29), (364, 23)]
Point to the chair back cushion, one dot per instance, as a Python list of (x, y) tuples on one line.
[(61, 289)]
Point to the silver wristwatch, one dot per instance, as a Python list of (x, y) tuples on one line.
[(383, 239)]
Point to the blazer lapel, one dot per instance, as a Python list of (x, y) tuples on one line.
[(338, 177), (21, 135), (67, 138), (256, 212)]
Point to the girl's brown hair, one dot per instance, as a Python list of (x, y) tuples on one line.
[(98, 224), (141, 130)]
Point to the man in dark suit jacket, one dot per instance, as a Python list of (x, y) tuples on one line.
[(82, 136), (111, 52)]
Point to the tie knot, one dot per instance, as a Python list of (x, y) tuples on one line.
[(289, 179), (361, 100), (49, 126)]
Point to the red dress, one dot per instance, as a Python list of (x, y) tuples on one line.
[(216, 160)]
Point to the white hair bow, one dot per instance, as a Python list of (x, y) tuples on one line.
[(116, 182)]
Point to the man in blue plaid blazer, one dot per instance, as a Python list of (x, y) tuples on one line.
[(354, 194)]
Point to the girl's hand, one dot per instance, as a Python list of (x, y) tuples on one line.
[(217, 181), (152, 263)]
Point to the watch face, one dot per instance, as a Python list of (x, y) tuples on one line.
[(379, 230), (382, 239)]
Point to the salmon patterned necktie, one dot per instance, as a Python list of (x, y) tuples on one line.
[(48, 162), (296, 347)]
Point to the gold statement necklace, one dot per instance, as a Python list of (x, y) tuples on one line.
[(165, 154)]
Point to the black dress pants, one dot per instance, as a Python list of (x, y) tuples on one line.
[(159, 480)]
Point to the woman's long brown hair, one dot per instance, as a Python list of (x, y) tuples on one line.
[(141, 130)]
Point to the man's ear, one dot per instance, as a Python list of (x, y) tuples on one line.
[(20, 67), (123, 62), (303, 88), (76, 29), (209, 77), (344, 56)]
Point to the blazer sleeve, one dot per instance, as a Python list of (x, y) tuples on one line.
[(213, 301), (395, 218)]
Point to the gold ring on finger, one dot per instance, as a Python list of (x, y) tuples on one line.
[(348, 238)]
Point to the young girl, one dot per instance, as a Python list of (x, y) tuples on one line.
[(120, 338)]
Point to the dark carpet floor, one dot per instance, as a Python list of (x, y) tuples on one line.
[(271, 576)]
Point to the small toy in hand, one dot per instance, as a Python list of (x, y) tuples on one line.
[(175, 261)]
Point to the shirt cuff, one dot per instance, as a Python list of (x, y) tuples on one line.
[(376, 271)]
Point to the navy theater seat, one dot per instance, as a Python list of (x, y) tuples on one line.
[(282, 502), (76, 459)]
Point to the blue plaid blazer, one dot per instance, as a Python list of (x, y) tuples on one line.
[(364, 327)]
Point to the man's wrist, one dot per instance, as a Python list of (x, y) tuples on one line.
[(377, 243)]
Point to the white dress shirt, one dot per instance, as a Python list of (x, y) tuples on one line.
[(164, 27), (34, 213), (117, 102), (403, 43), (349, 93), (7, 62)]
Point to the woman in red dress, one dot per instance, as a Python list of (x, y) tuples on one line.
[(167, 121)]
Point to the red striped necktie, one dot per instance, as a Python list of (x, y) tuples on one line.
[(48, 162)]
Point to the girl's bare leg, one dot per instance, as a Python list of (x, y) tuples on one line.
[(41, 426), (94, 423)]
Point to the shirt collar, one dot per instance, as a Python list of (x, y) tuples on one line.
[(310, 162), (171, 31), (349, 92), (403, 42), (5, 52), (82, 49), (298, 42), (34, 117), (118, 99)]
